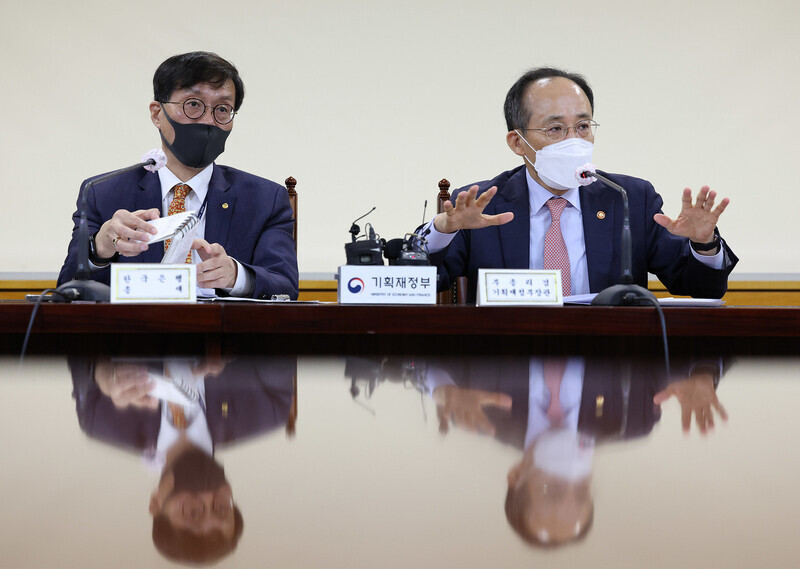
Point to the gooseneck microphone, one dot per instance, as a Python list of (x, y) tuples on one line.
[(82, 287), (626, 293)]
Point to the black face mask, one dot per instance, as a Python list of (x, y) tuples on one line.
[(195, 471), (196, 145)]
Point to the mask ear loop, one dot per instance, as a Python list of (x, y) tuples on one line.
[(529, 146), (525, 141)]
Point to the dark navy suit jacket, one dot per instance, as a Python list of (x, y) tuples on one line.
[(602, 377), (251, 397), (655, 250), (249, 216)]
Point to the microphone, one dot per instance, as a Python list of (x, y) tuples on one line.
[(626, 293), (355, 229), (82, 287), (364, 251)]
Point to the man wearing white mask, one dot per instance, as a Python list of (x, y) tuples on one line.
[(536, 215)]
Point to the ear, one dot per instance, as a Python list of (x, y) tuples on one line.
[(155, 114), (515, 143)]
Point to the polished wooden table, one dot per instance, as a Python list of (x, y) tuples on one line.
[(238, 327)]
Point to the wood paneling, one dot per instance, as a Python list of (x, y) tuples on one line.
[(740, 293)]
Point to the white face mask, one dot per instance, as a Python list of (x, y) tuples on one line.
[(564, 453), (557, 163)]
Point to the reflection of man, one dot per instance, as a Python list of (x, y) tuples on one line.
[(176, 413), (194, 516), (506, 222), (555, 410), (244, 245)]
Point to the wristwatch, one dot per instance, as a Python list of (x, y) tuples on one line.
[(94, 258), (710, 246)]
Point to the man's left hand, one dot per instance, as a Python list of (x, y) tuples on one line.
[(696, 396), (217, 269), (696, 220)]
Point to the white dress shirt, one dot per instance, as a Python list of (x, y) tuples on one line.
[(569, 394), (245, 281), (197, 431), (571, 229)]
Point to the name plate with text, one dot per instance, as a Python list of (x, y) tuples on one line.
[(380, 284), (153, 282), (517, 287)]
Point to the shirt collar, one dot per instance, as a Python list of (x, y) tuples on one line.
[(199, 183), (538, 194)]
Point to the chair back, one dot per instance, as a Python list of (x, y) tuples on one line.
[(291, 183), (458, 291)]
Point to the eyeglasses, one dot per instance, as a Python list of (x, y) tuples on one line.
[(195, 109), (557, 131)]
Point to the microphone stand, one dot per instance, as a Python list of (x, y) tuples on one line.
[(626, 293), (82, 287)]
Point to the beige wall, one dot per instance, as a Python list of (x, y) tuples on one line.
[(371, 103)]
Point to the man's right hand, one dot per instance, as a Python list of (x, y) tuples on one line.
[(467, 213), (131, 231), (464, 408), (127, 385)]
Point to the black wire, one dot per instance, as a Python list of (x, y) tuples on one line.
[(660, 312), (33, 316)]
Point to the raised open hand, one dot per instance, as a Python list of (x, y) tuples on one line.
[(467, 213), (696, 220)]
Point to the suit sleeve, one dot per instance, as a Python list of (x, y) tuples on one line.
[(93, 221), (274, 260)]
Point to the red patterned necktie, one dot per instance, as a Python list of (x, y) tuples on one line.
[(555, 250), (178, 205), (553, 371)]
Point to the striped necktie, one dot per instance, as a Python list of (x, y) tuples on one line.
[(555, 250), (178, 205)]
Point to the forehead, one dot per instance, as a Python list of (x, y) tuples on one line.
[(556, 98), (208, 92)]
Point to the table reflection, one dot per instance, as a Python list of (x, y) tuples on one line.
[(418, 461), (555, 410), (176, 412)]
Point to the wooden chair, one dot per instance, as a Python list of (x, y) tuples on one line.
[(291, 183), (458, 291)]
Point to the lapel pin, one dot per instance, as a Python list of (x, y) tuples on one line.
[(225, 205), (225, 408), (598, 406), (601, 215)]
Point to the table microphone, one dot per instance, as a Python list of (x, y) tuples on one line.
[(82, 287), (626, 293)]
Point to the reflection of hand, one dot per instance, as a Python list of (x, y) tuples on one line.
[(695, 395), (127, 385), (467, 213), (464, 407), (695, 221)]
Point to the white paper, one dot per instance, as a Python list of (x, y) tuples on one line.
[(690, 301), (167, 226)]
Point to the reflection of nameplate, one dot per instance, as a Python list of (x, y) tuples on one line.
[(153, 282), (516, 287), (377, 284)]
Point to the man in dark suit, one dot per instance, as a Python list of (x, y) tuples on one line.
[(195, 518), (245, 246), (505, 222), (555, 410)]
